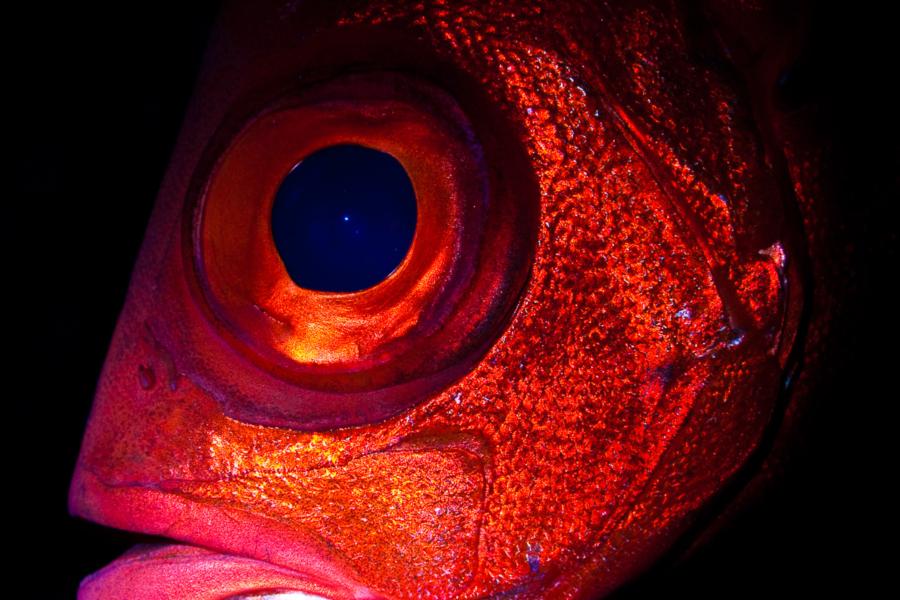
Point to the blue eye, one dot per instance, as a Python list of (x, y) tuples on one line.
[(344, 218)]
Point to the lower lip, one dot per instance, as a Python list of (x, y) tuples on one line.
[(191, 573)]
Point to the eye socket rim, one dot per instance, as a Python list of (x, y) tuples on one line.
[(368, 97)]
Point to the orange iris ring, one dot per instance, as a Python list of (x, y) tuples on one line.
[(428, 315)]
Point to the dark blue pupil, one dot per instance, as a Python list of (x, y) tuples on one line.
[(344, 218)]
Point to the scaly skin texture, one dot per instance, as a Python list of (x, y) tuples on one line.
[(619, 379)]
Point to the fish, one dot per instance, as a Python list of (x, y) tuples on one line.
[(591, 339)]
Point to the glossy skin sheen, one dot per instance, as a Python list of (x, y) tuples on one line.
[(588, 339)]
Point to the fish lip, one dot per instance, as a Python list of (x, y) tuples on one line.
[(183, 571), (268, 556)]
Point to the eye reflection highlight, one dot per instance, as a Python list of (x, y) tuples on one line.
[(344, 218)]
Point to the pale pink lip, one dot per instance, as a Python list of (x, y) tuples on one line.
[(180, 572)]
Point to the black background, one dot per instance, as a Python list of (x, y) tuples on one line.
[(98, 96)]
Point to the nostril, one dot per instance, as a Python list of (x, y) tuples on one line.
[(344, 218), (146, 377)]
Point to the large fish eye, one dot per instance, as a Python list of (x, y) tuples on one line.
[(360, 239)]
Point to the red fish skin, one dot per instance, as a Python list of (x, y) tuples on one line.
[(639, 372)]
